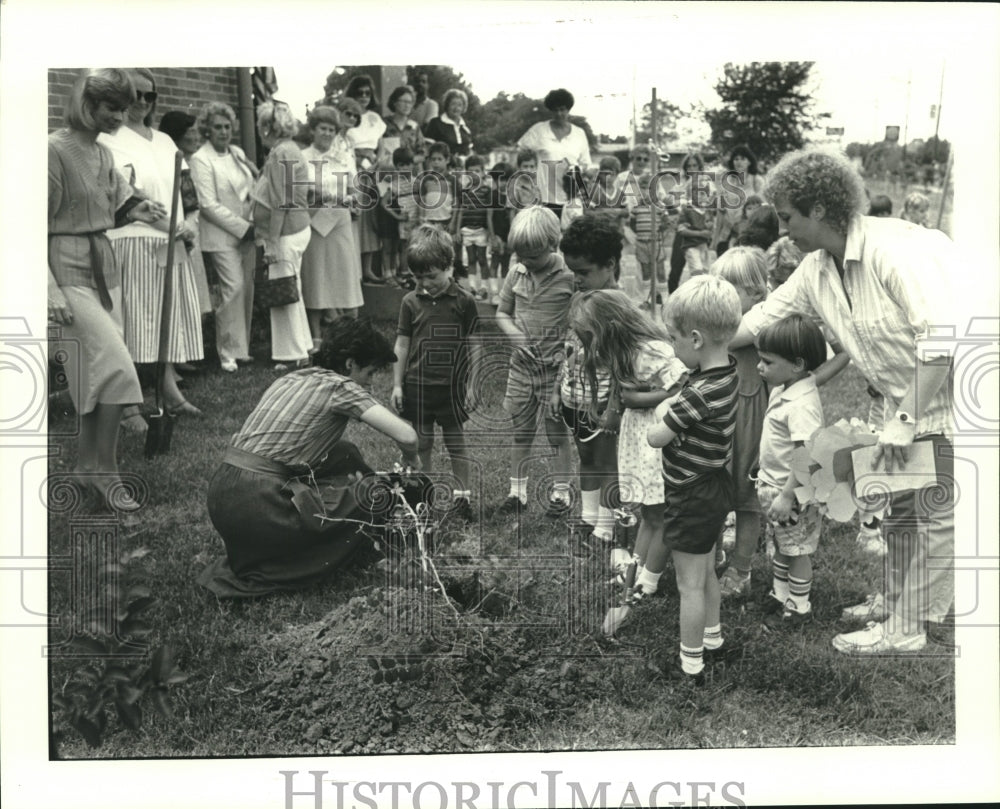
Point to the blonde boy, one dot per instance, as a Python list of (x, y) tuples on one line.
[(696, 436), (534, 313)]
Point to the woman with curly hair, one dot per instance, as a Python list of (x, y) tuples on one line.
[(331, 267), (286, 499), (881, 287), (450, 127), (281, 225), (560, 146), (224, 179)]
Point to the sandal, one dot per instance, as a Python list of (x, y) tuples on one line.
[(184, 408)]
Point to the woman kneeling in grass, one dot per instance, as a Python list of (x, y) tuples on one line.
[(287, 464)]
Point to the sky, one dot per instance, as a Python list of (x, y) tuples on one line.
[(861, 99)]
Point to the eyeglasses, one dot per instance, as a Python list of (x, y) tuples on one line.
[(149, 97)]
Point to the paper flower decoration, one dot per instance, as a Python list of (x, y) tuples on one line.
[(825, 473)]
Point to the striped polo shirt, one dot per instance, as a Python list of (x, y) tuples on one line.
[(704, 418), (302, 415)]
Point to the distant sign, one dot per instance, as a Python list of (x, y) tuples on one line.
[(892, 133), (835, 130)]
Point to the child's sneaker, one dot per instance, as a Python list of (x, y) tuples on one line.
[(733, 583), (871, 609), (791, 614), (557, 508), (461, 509), (671, 669), (870, 540)]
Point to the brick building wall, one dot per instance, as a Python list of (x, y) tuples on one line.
[(179, 88)]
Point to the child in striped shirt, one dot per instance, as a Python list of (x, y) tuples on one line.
[(696, 435)]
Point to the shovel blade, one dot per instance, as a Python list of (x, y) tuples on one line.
[(615, 618), (161, 429)]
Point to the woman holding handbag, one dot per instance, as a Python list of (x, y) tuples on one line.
[(145, 157), (224, 178), (281, 226)]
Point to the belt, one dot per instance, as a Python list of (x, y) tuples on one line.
[(96, 263), (264, 466)]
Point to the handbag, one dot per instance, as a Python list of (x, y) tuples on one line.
[(270, 292)]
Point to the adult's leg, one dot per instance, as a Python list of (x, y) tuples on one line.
[(231, 322)]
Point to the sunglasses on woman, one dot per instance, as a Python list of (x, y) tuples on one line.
[(149, 97)]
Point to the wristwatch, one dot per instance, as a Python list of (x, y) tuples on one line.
[(906, 418)]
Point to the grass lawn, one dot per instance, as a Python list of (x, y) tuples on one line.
[(524, 669)]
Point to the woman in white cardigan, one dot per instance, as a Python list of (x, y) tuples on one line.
[(224, 179)]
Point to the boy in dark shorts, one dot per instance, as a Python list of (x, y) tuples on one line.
[(434, 378), (697, 437)]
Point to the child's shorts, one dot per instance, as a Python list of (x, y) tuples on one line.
[(474, 237), (425, 406), (696, 259), (801, 539), (529, 389), (644, 252), (694, 515), (580, 424)]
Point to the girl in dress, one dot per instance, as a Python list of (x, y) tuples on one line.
[(621, 340)]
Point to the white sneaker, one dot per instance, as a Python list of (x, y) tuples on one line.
[(874, 640), (229, 366), (870, 540), (872, 609)]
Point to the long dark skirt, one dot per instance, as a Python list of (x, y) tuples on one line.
[(269, 546)]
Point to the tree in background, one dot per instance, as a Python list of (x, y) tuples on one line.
[(765, 105), (502, 121), (667, 118)]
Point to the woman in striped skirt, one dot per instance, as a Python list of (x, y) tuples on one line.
[(146, 158)]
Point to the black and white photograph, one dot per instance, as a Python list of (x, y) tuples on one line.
[(558, 404)]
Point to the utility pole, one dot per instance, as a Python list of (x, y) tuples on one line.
[(654, 242), (906, 124)]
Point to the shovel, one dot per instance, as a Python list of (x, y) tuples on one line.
[(616, 615), (160, 421)]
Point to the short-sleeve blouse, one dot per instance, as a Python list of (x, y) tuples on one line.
[(655, 363), (302, 415)]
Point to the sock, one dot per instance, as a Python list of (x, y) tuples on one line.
[(798, 592), (590, 503), (650, 582), (713, 637), (519, 489), (691, 660), (560, 492), (604, 528), (780, 570), (460, 494)]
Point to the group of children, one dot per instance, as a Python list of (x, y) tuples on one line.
[(662, 415)]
